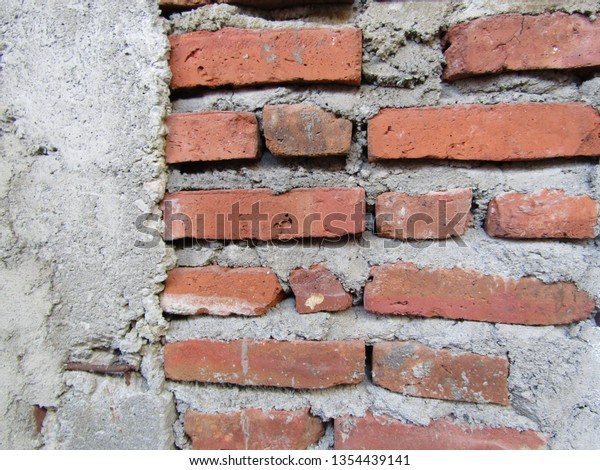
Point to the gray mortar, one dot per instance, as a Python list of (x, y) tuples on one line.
[(83, 94)]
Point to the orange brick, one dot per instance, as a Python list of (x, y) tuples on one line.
[(435, 215), (253, 429), (501, 132), (203, 137), (318, 290), (404, 289), (414, 369), (290, 364), (513, 42), (543, 214), (301, 130), (220, 291), (240, 57), (385, 433), (259, 214)]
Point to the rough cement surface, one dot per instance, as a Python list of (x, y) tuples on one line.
[(83, 93), (555, 371)]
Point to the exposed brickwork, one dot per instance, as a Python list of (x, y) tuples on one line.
[(301, 130), (501, 132), (415, 369), (543, 214), (435, 215), (290, 364), (384, 433), (318, 290), (404, 289), (240, 57), (304, 95), (220, 291), (253, 429), (212, 136), (520, 42), (259, 214)]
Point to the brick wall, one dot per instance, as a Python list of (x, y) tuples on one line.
[(362, 265)]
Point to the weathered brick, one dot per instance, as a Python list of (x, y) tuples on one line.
[(435, 215), (515, 42), (240, 57), (291, 364), (259, 214), (543, 214), (404, 289), (202, 137), (220, 291), (318, 290), (417, 370), (500, 132), (250, 3), (301, 130), (385, 433), (253, 429)]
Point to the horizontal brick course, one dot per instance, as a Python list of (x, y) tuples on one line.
[(415, 369), (253, 429), (289, 364), (543, 214), (385, 433), (241, 214), (501, 132), (212, 136), (404, 289), (435, 215), (220, 291), (515, 42), (240, 57)]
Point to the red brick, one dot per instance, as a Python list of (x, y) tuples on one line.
[(240, 57), (251, 3), (403, 289), (203, 137), (39, 415), (318, 290), (385, 433), (259, 214), (543, 214), (414, 369), (500, 132), (515, 42), (291, 364), (253, 429), (435, 215), (301, 130), (220, 291)]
